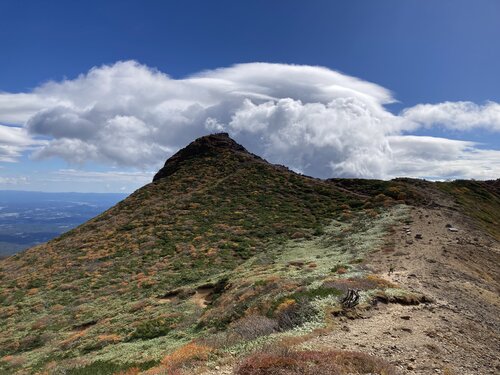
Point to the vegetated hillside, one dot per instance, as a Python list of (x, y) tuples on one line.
[(479, 199), (221, 254)]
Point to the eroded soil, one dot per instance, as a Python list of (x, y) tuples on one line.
[(459, 332)]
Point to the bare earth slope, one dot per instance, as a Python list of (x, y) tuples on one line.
[(459, 333)]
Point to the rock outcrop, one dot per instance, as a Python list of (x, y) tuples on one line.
[(209, 145)]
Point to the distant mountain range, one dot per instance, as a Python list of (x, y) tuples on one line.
[(30, 218)]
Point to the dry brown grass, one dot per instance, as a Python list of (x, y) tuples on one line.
[(186, 355), (402, 299), (72, 340), (253, 326), (13, 360), (313, 363)]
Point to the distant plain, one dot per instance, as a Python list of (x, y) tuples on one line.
[(29, 218)]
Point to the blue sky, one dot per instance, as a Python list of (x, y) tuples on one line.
[(441, 53)]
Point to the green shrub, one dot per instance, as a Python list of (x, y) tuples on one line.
[(152, 328), (106, 368)]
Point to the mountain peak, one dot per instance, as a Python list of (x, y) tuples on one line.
[(208, 145)]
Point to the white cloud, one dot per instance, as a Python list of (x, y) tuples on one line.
[(312, 119), (14, 181), (441, 158), (110, 180), (18, 108), (455, 115), (13, 140), (94, 176)]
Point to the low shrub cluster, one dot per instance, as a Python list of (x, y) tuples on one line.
[(313, 363), (106, 368), (150, 329), (254, 326), (293, 313), (296, 309)]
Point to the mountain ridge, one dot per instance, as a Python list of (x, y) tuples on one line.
[(219, 237)]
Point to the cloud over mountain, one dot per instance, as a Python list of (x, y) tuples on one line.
[(312, 119)]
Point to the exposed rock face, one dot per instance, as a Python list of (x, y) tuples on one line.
[(209, 145)]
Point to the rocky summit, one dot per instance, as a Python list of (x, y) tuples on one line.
[(212, 145), (227, 264)]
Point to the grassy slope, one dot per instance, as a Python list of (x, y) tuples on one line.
[(89, 288), (260, 234), (478, 199)]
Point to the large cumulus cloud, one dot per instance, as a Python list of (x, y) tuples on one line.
[(312, 119)]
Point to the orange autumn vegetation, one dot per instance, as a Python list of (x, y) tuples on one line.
[(184, 356)]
